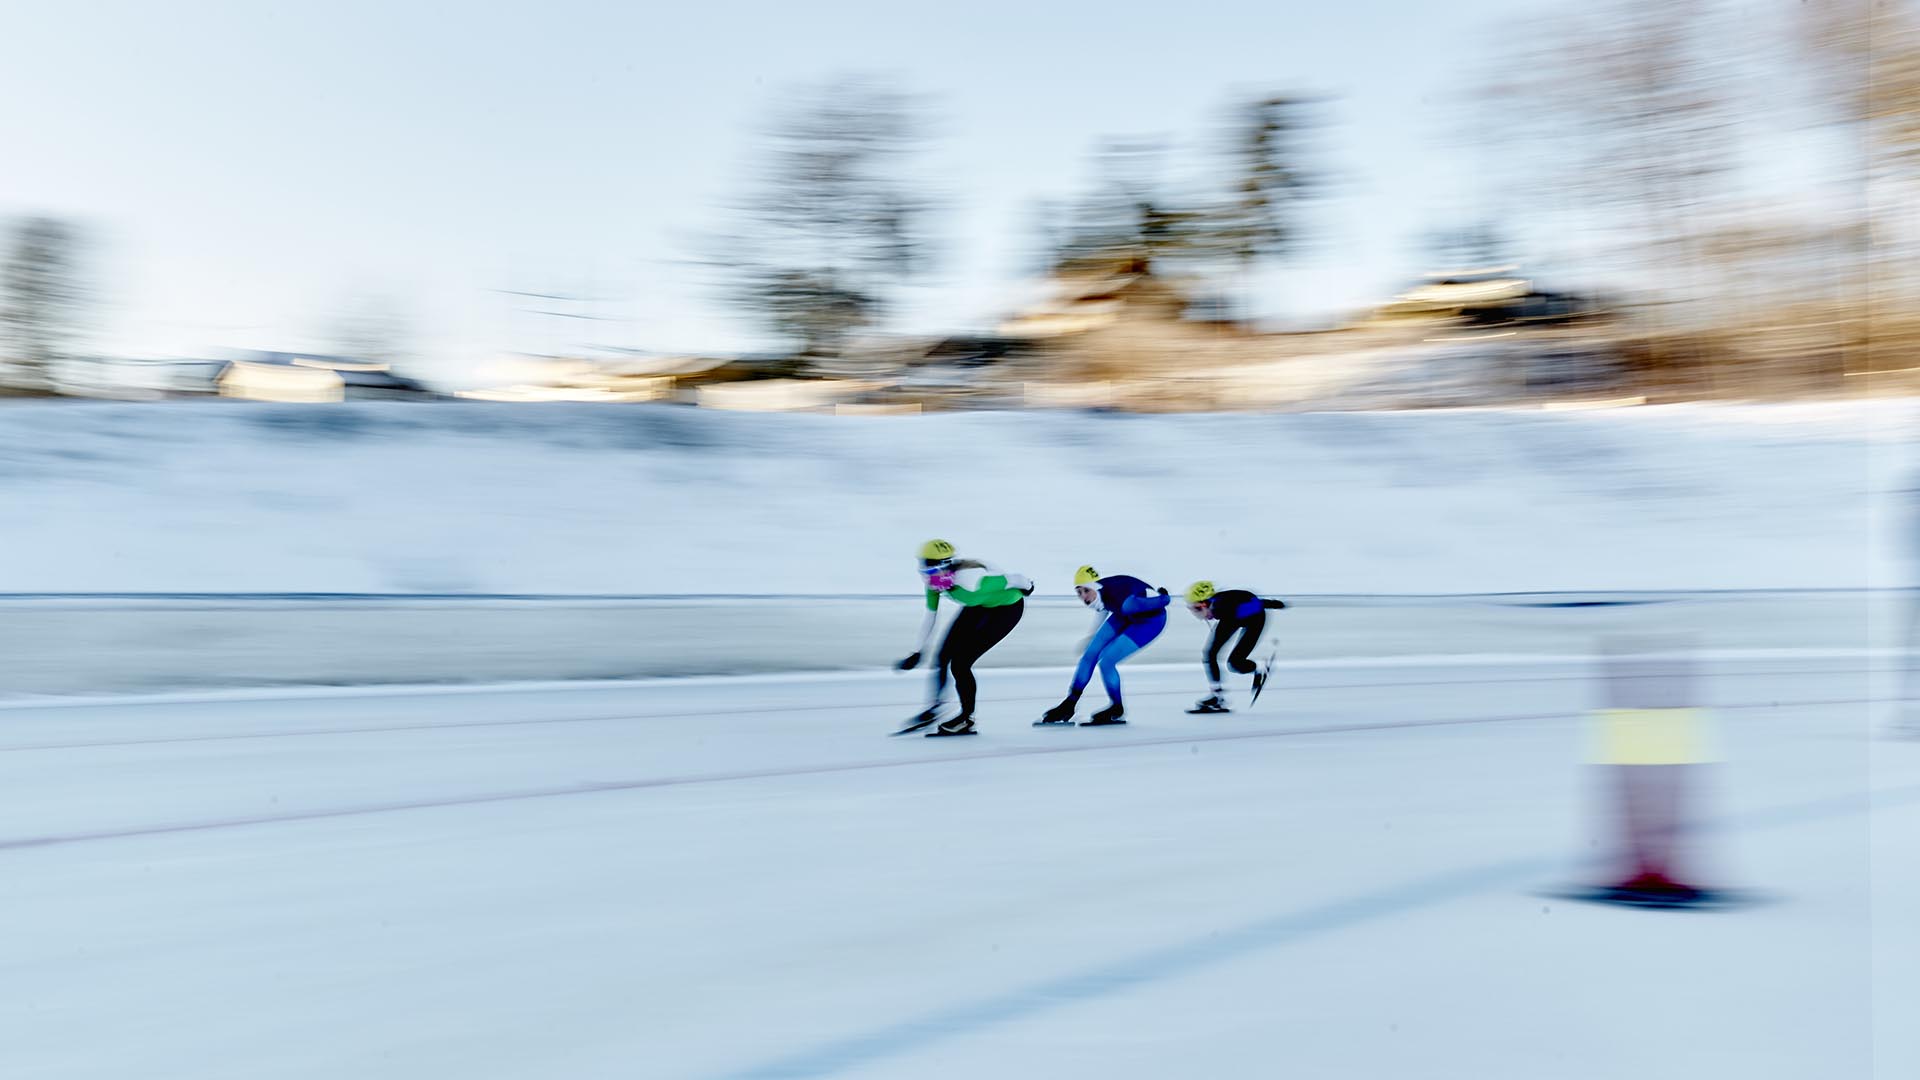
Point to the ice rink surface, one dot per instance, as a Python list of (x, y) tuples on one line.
[(747, 878)]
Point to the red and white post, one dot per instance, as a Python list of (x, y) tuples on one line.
[(1651, 750)]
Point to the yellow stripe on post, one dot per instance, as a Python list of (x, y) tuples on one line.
[(1651, 737)]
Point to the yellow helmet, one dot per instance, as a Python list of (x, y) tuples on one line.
[(1200, 592), (1086, 575), (936, 551)]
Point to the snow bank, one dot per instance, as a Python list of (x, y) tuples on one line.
[(120, 646), (385, 497)]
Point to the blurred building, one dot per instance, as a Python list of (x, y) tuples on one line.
[(1495, 296), (311, 377), (1096, 297), (616, 379)]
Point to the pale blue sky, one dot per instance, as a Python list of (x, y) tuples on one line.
[(248, 166)]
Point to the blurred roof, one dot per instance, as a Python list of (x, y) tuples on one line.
[(352, 371), (1079, 301), (1454, 290), (664, 365)]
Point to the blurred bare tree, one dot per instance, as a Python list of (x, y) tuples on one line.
[(1264, 218), (1133, 221), (1865, 59), (42, 300), (1640, 95), (1631, 118), (1623, 117), (1128, 222), (835, 220)]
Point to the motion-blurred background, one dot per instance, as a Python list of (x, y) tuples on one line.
[(854, 206)]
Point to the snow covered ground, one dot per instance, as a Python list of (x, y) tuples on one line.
[(389, 497), (744, 878)]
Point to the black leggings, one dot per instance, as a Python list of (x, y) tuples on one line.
[(1241, 659), (974, 631)]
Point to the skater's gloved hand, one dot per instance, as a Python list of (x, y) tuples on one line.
[(1027, 590), (1163, 590), (910, 662)]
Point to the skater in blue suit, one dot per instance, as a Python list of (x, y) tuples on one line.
[(1136, 613)]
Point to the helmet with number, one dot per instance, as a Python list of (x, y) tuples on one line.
[(1200, 592), (935, 551), (1086, 575)]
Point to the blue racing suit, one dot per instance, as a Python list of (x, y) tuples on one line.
[(1136, 614)]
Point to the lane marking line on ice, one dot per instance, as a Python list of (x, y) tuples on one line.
[(626, 715), (824, 768)]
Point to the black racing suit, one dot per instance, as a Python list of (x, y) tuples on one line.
[(1236, 611), (974, 631)]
